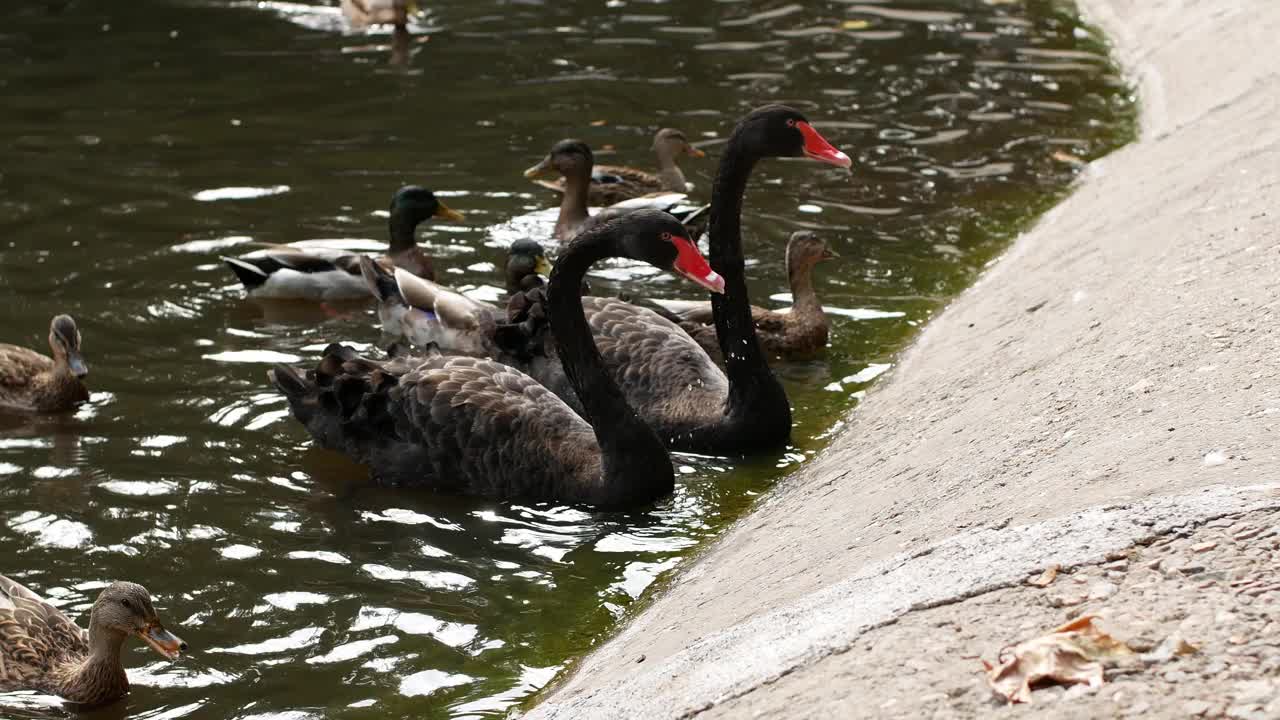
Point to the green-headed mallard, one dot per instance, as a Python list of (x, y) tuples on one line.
[(283, 272), (574, 161), (41, 649), (614, 183), (32, 382)]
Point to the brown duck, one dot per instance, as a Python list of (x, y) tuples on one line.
[(32, 382), (798, 334), (615, 183), (41, 649)]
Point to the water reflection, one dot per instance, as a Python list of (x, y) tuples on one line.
[(202, 128)]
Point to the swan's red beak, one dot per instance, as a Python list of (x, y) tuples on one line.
[(817, 147), (690, 263)]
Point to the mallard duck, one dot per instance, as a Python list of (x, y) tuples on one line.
[(474, 426), (284, 272), (363, 13), (797, 334), (614, 183), (426, 312), (574, 161), (32, 382), (41, 649)]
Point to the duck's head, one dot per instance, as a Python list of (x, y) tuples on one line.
[(805, 249), (782, 131), (124, 609), (64, 341), (655, 237), (570, 158), (415, 204), (672, 143), (526, 260)]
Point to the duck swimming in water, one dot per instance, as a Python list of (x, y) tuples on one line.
[(33, 382), (41, 649)]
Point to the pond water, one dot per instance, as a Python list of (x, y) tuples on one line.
[(143, 139)]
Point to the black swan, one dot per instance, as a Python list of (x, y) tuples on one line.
[(474, 426), (676, 387), (283, 272)]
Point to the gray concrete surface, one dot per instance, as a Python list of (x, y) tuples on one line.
[(1113, 377)]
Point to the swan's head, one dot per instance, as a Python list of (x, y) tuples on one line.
[(781, 131), (570, 158), (655, 237), (64, 341), (124, 609), (672, 143), (417, 204)]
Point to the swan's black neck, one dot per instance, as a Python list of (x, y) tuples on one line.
[(401, 227), (755, 395), (635, 466)]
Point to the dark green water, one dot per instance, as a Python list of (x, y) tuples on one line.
[(303, 593)]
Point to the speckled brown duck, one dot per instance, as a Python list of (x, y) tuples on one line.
[(41, 649), (363, 13), (32, 382), (800, 333), (614, 183), (574, 161)]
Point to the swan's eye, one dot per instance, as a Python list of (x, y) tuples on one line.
[(791, 122), (666, 236)]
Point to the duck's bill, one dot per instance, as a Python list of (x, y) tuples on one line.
[(542, 265), (163, 641), (538, 169), (690, 263), (829, 254), (695, 152), (817, 147), (445, 212), (76, 363)]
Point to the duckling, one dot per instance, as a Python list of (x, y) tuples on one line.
[(42, 649), (32, 382), (284, 272)]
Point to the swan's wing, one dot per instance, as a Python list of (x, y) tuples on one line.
[(34, 636), (652, 359), (451, 423)]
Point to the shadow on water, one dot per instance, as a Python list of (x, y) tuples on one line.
[(144, 139)]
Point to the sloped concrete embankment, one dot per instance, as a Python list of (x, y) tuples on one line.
[(1105, 399)]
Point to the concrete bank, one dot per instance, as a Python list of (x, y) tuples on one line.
[(1105, 398)]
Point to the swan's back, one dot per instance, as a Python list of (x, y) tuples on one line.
[(453, 424)]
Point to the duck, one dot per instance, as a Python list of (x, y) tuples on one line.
[(424, 312), (679, 390), (799, 333), (469, 425), (613, 183), (574, 161), (281, 272), (363, 13), (42, 649), (32, 382)]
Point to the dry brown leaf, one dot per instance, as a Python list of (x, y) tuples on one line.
[(855, 24), (599, 123), (1047, 576), (1073, 653)]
